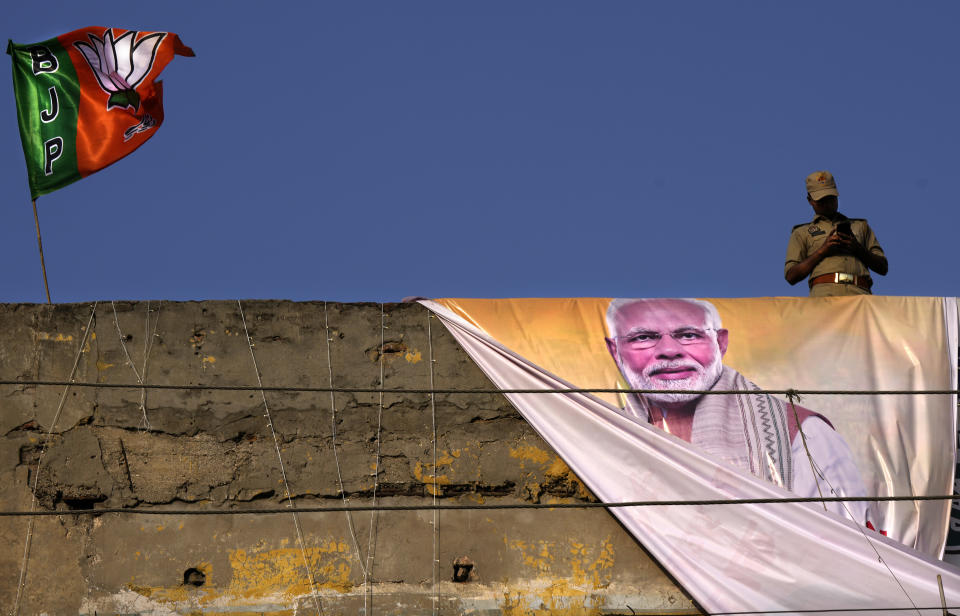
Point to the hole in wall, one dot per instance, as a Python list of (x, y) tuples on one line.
[(461, 569), (194, 577)]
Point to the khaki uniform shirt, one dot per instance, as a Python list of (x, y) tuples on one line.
[(808, 237)]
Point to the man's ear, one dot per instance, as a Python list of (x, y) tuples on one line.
[(722, 339), (612, 347)]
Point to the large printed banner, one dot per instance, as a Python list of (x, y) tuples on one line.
[(671, 444)]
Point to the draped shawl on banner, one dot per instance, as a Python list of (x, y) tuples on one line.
[(755, 557)]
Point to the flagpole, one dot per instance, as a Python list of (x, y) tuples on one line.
[(43, 266)]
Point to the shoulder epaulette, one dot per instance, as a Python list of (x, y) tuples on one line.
[(803, 224), (860, 219)]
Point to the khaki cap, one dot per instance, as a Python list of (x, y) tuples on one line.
[(820, 184)]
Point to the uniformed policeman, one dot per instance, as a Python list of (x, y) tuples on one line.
[(836, 252)]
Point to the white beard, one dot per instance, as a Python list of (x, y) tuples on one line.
[(705, 378)]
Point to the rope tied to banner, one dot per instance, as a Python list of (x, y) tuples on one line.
[(793, 397)]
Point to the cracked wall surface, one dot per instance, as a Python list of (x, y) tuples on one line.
[(208, 449)]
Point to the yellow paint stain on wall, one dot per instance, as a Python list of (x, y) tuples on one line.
[(209, 359), (560, 598), (54, 337), (152, 529), (259, 574), (559, 469), (413, 357), (589, 569), (281, 570), (530, 453), (576, 590), (258, 612), (553, 466), (158, 592), (292, 612), (102, 365), (424, 472), (535, 555)]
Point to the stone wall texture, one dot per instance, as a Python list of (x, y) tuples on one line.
[(149, 450)]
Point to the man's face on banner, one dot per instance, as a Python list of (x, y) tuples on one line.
[(667, 345)]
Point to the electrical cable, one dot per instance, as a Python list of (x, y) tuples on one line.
[(477, 507), (572, 390)]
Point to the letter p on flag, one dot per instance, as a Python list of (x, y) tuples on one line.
[(88, 98)]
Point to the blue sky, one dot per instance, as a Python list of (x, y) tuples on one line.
[(370, 151)]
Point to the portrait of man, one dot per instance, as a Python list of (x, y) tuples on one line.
[(673, 345)]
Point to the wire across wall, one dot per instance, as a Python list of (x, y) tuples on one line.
[(471, 391), (375, 507)]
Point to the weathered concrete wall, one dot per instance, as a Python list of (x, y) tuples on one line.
[(204, 449)]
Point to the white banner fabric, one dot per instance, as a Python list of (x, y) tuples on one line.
[(778, 557)]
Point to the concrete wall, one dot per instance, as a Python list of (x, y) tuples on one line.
[(203, 449)]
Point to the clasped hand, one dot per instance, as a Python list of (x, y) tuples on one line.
[(841, 244)]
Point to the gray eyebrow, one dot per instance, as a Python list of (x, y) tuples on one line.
[(682, 328)]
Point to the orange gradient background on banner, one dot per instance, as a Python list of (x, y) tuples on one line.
[(903, 444)]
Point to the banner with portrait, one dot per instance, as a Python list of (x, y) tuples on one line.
[(759, 556)]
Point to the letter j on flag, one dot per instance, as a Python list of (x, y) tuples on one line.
[(87, 99)]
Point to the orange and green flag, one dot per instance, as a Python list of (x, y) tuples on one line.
[(87, 99)]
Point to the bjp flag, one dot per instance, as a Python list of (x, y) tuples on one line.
[(87, 99)]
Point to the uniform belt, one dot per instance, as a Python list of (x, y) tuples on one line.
[(864, 282)]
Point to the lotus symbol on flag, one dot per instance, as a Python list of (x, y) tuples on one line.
[(120, 64)]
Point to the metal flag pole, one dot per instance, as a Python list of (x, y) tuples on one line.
[(43, 266)]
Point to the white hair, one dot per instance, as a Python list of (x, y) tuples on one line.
[(711, 318)]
